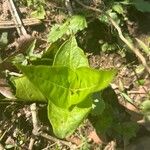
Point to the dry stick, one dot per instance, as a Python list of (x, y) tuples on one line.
[(35, 121), (88, 7), (69, 7), (136, 92), (135, 50), (69, 144), (6, 131), (35, 124), (20, 28), (2, 136), (36, 128), (32, 140), (27, 22)]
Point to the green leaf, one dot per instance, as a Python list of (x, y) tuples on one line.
[(65, 87), (98, 104), (65, 121), (145, 106), (127, 97), (51, 50), (34, 3), (71, 26), (39, 13), (142, 5), (77, 23), (42, 61), (29, 2), (31, 48), (70, 55), (48, 55), (115, 17), (118, 8), (26, 91), (103, 18), (145, 48), (89, 81), (127, 129), (57, 31), (105, 121)]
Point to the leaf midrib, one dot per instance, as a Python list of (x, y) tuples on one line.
[(70, 89)]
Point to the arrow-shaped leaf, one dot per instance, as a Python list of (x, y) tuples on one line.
[(65, 87)]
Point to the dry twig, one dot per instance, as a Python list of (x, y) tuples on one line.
[(135, 50), (10, 24), (20, 28), (69, 144), (36, 130), (69, 7), (35, 121), (88, 7), (32, 140), (24, 37)]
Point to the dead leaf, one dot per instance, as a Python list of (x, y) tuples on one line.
[(74, 139), (111, 146), (95, 138), (5, 89)]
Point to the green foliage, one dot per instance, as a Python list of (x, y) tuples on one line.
[(51, 50), (111, 123), (38, 5), (127, 129), (66, 86), (98, 104), (118, 8), (117, 12), (105, 121), (73, 85), (145, 106), (126, 97), (65, 121), (71, 52), (34, 2), (26, 91), (108, 47), (141, 5), (39, 13), (71, 26), (63, 79)]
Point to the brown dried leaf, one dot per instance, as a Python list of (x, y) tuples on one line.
[(5, 90), (94, 137), (75, 140), (111, 146)]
